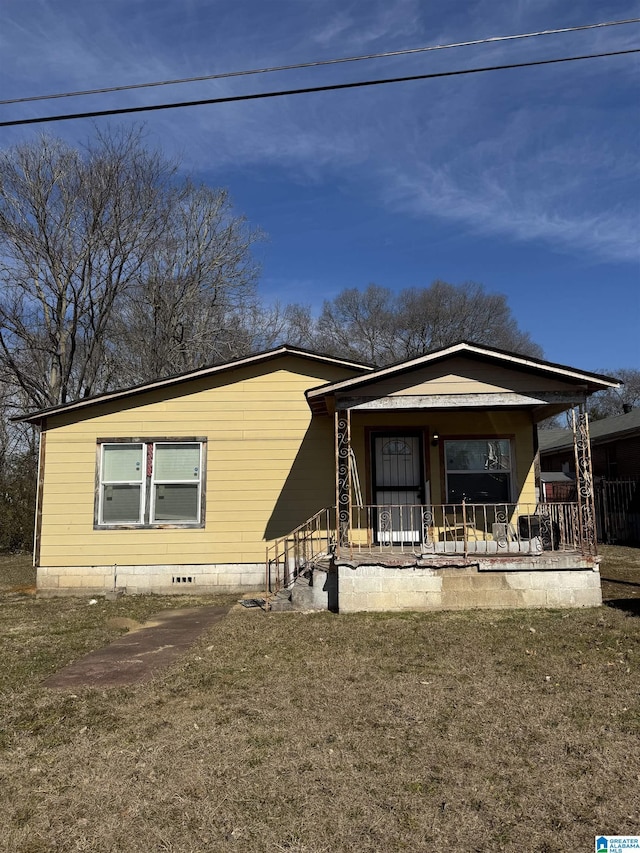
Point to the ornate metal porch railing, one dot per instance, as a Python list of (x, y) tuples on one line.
[(288, 556), (465, 529), (491, 529)]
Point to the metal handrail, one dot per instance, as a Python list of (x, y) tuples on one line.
[(463, 529), (289, 555)]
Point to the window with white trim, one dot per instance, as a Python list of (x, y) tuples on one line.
[(478, 470), (150, 483)]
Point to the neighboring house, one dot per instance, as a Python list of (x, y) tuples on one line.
[(188, 483), (557, 486), (615, 448), (615, 458)]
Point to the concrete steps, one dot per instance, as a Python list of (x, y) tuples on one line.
[(311, 590)]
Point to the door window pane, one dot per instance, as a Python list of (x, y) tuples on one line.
[(397, 462)]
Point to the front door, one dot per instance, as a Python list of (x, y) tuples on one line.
[(398, 478)]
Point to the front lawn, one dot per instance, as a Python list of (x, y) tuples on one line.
[(310, 733)]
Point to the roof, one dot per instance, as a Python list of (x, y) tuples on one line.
[(552, 438), (600, 432), (592, 381), (203, 372), (555, 477)]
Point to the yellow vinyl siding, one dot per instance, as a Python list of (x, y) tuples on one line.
[(464, 376), (269, 467), (269, 464), (452, 424)]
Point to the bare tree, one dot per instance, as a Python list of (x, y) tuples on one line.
[(358, 324), (113, 271), (443, 314), (18, 465), (263, 327), (617, 401), (190, 307), (76, 230), (379, 327)]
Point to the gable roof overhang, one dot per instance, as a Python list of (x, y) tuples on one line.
[(565, 386), (170, 382)]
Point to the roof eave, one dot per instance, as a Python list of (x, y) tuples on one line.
[(592, 382), (39, 416)]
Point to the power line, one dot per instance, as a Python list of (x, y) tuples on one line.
[(318, 63), (309, 90)]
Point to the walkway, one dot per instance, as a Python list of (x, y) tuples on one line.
[(138, 655)]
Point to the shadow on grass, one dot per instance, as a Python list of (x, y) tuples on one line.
[(628, 605), (617, 580)]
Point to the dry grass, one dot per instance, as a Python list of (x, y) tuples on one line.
[(17, 573), (309, 733), (620, 572)]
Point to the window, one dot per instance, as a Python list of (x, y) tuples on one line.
[(478, 470), (122, 489), (176, 482), (150, 482)]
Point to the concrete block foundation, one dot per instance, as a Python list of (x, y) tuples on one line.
[(158, 579), (347, 588), (377, 587)]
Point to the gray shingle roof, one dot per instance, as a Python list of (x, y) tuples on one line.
[(600, 431)]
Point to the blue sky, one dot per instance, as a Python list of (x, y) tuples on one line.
[(527, 181)]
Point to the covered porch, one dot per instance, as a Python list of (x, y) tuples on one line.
[(490, 536), (417, 557), (435, 473), (393, 506)]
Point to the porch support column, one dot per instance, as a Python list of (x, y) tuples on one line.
[(584, 480), (343, 478)]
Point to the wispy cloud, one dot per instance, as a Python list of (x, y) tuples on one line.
[(494, 207), (540, 173), (385, 19), (544, 155)]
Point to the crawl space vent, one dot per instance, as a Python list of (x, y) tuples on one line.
[(183, 579)]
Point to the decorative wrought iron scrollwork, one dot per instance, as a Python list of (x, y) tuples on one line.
[(584, 481), (343, 478), (501, 527), (428, 541), (575, 523), (546, 530), (385, 526), (343, 437)]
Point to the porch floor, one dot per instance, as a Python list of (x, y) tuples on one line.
[(405, 557)]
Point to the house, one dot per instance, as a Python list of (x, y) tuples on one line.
[(406, 487), (615, 455), (615, 447)]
